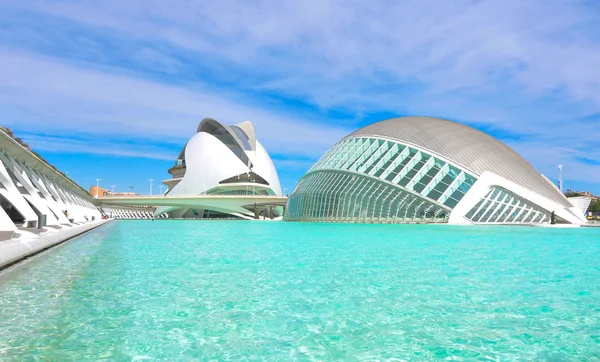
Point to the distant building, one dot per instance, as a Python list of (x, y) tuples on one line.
[(100, 192), (33, 194), (423, 169), (97, 191), (222, 160), (572, 193)]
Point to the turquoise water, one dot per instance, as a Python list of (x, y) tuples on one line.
[(236, 290)]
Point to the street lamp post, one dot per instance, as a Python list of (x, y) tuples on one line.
[(161, 188), (151, 181), (131, 189), (98, 186), (284, 190), (560, 181), (112, 187)]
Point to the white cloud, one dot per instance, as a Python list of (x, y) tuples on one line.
[(68, 98), (46, 143), (348, 54), (547, 158), (523, 68), (539, 44)]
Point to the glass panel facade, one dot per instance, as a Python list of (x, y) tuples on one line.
[(401, 165), (377, 180), (334, 196), (502, 206)]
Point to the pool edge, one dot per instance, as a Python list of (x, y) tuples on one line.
[(15, 250)]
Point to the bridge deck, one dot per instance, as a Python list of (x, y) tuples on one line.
[(191, 200)]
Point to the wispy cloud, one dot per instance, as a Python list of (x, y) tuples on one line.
[(47, 94), (69, 145), (306, 73)]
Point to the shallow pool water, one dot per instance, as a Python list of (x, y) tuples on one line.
[(186, 290)]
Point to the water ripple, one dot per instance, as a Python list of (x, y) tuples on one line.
[(186, 290)]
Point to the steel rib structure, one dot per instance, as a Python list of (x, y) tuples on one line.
[(423, 169)]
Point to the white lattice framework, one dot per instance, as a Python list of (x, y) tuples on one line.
[(367, 179), (422, 169), (117, 212), (29, 188)]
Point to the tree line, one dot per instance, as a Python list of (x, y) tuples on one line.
[(594, 206)]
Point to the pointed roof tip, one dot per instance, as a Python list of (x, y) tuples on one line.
[(248, 128)]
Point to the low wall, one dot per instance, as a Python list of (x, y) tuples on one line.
[(16, 249)]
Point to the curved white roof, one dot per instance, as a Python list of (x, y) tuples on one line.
[(465, 146), (211, 153)]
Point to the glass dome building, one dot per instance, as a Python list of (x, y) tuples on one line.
[(423, 169)]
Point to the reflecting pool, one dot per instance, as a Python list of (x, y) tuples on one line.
[(185, 290)]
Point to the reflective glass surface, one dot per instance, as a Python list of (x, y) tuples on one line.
[(502, 206), (359, 177), (334, 196)]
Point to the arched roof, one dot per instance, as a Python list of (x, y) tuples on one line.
[(465, 146), (236, 136)]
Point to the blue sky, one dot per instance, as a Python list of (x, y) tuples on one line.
[(113, 89)]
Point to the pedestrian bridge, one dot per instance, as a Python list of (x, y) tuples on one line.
[(241, 205)]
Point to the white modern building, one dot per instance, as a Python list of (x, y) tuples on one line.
[(222, 160), (581, 202), (422, 169), (35, 197), (129, 212)]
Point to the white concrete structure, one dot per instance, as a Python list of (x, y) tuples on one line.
[(33, 241), (235, 205), (422, 169), (129, 212), (581, 202), (29, 187), (221, 160)]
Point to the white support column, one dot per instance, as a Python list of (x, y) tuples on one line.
[(506, 207), (484, 202), (419, 175), (74, 209), (444, 170), (7, 227), (348, 151), (528, 200), (33, 194), (51, 201), (409, 165), (495, 205), (401, 157), (388, 155), (12, 194), (526, 215), (513, 210), (376, 153), (452, 187), (368, 149), (52, 190), (478, 191)]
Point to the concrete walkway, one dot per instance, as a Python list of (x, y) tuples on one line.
[(592, 225), (32, 241)]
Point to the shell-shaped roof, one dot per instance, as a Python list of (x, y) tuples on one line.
[(465, 146)]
